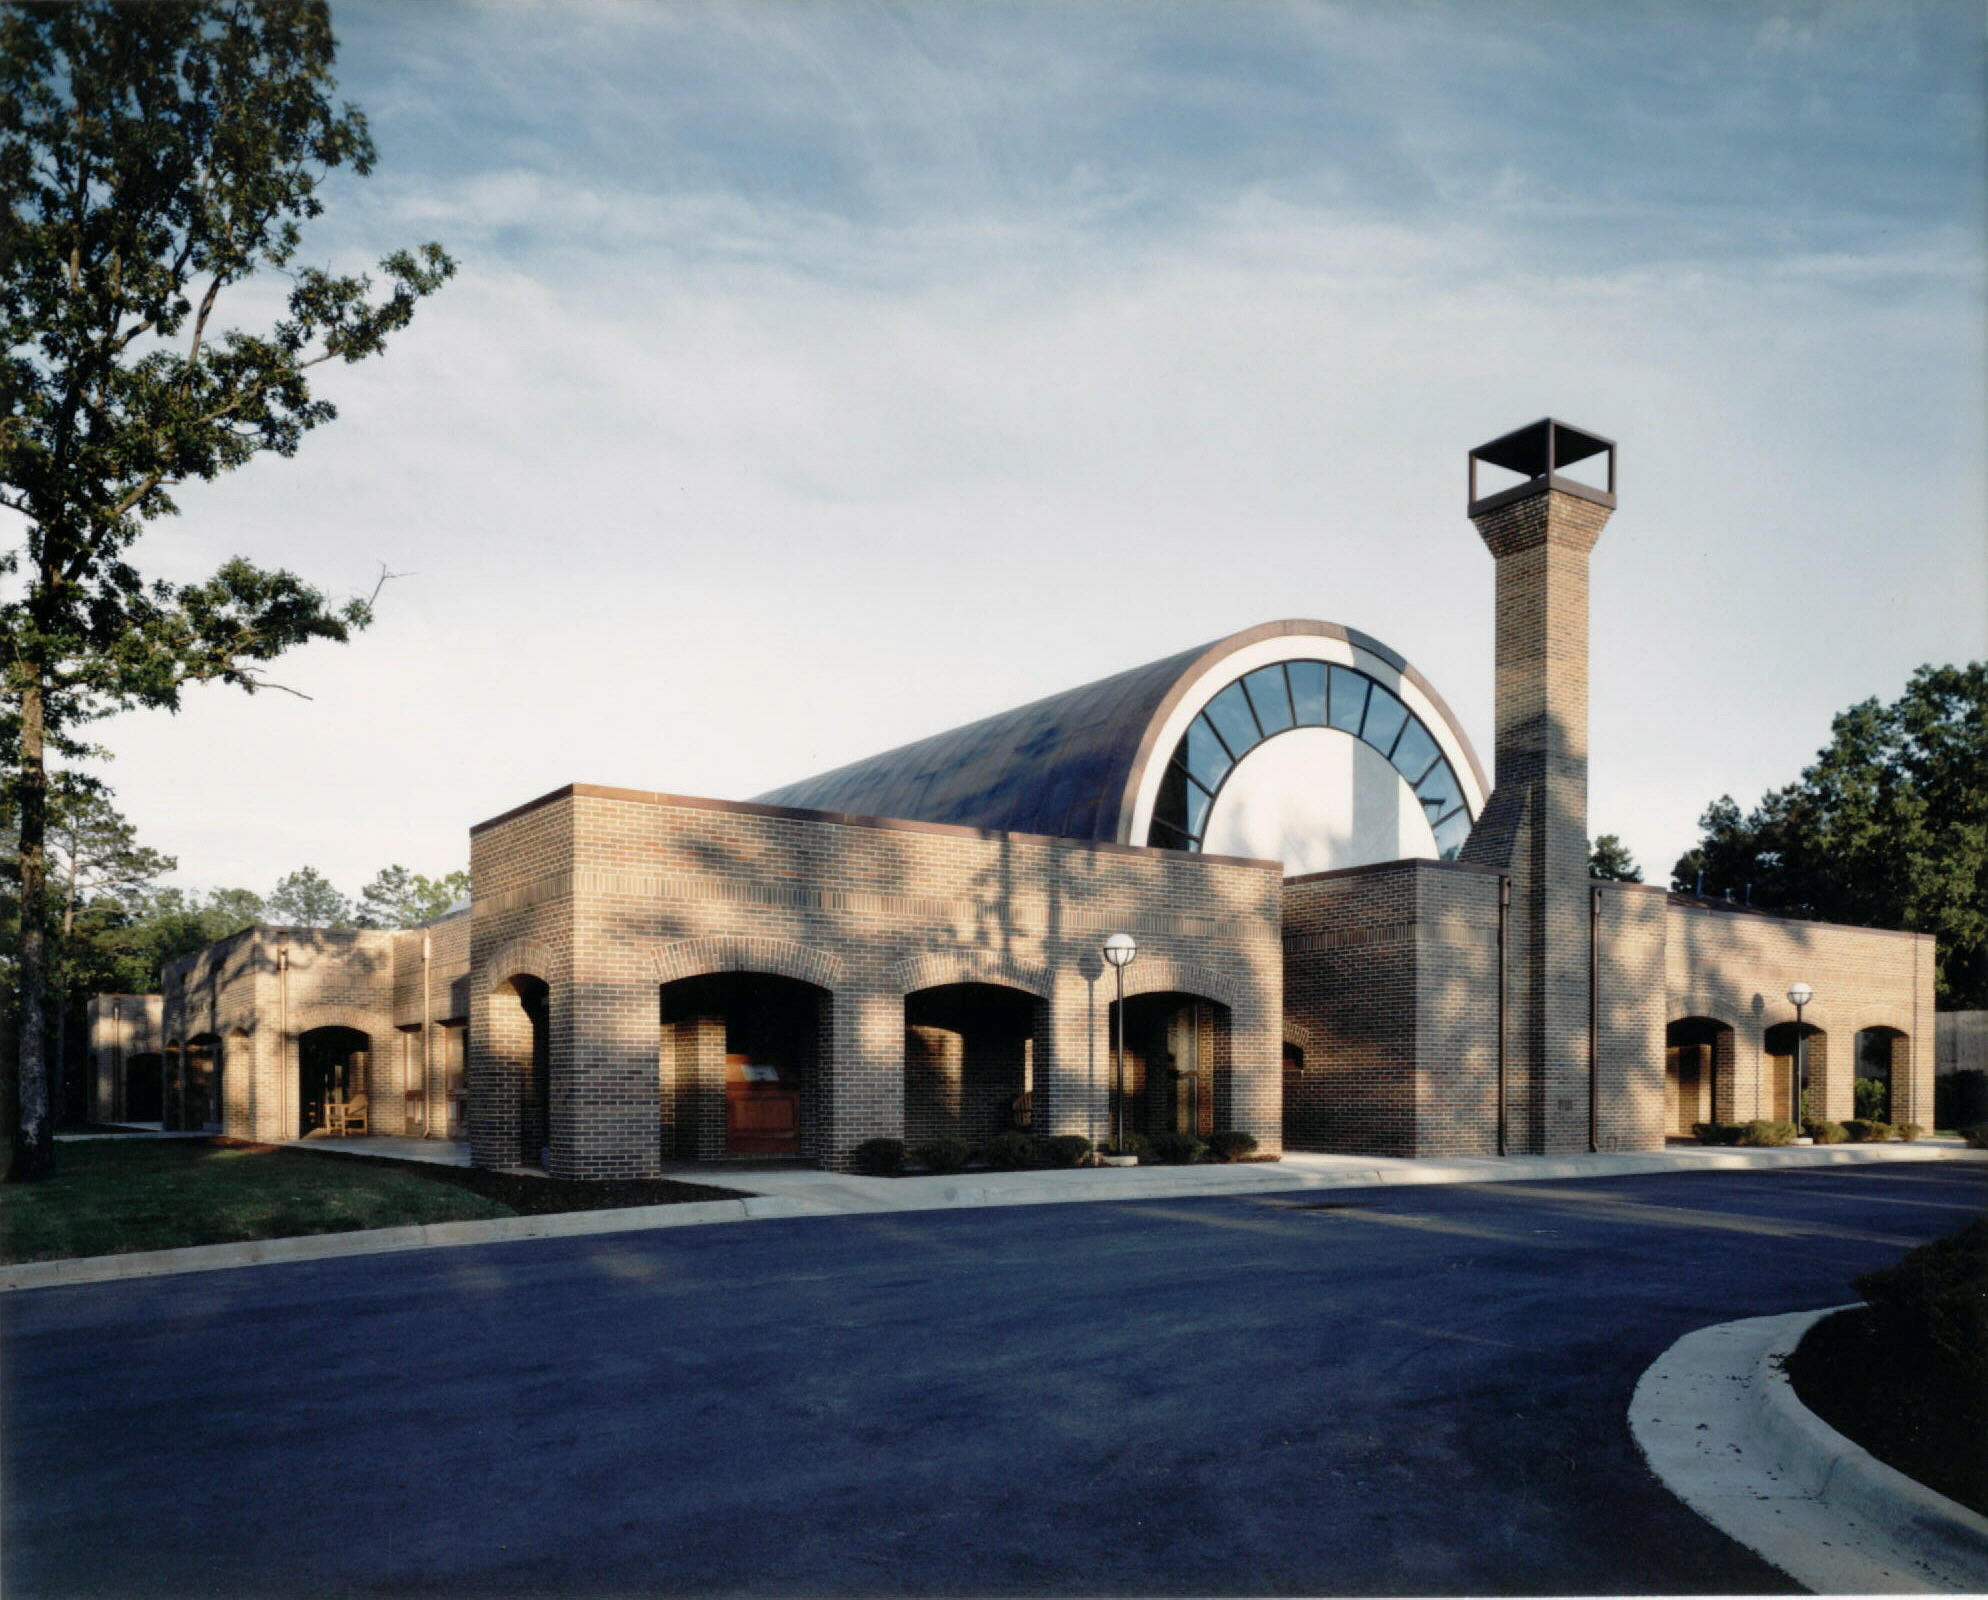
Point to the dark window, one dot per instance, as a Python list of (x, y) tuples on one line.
[(1198, 801), (1439, 792), (1349, 698), (1207, 761), (1415, 752), (1307, 692), (1451, 833), (1230, 713), (1271, 699), (1385, 717)]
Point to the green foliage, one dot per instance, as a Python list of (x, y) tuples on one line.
[(1010, 1151), (1132, 1144), (878, 1158), (1066, 1150), (397, 898), (1761, 1132), (1719, 1132), (1231, 1144), (1960, 1099), (1872, 1095), (1823, 1131), (1908, 1131), (1888, 828), (1609, 859), (306, 899), (943, 1155), (1976, 1136), (1939, 1292), (1867, 1130), (1177, 1149)]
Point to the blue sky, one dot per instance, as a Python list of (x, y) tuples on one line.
[(823, 375)]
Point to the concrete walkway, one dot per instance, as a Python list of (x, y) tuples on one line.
[(1718, 1421)]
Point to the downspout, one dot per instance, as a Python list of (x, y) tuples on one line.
[(427, 1066), (1594, 1017), (1504, 962), (283, 1073)]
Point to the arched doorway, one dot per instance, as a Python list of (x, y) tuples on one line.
[(1698, 1074), (521, 1042), (1883, 1087), (332, 1086), (1176, 1063), (969, 1061), (144, 1087), (740, 1066), (1780, 1045), (201, 1083)]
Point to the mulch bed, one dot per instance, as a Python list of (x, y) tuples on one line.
[(1897, 1401), (529, 1196)]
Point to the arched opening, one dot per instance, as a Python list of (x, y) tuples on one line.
[(200, 1083), (144, 1087), (521, 1029), (1883, 1087), (969, 1061), (1176, 1063), (332, 1088), (741, 1066), (1780, 1046), (1698, 1074)]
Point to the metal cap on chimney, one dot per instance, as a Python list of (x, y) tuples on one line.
[(1538, 451)]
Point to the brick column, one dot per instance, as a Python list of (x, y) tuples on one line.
[(1535, 825), (1073, 1058), (866, 1082)]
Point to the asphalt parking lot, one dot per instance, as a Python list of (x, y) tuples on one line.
[(1373, 1391)]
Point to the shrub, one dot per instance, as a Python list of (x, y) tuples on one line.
[(1718, 1132), (879, 1158), (1940, 1292), (1826, 1132), (1066, 1150), (1977, 1135), (1762, 1132), (1132, 1144), (1177, 1149), (1960, 1099), (943, 1155), (1867, 1130), (1908, 1131), (1231, 1144), (1011, 1150), (1871, 1095)]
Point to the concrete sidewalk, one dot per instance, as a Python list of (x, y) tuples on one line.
[(805, 1192)]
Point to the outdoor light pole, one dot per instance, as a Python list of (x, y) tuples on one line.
[(1799, 995), (1119, 950)]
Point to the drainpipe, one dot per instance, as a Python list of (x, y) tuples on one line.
[(427, 1067), (1504, 962), (284, 1085), (1594, 1017)]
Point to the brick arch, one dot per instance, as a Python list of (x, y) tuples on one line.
[(692, 958), (309, 1018), (934, 969), (1295, 1032), (517, 958), (1151, 974), (1881, 1017)]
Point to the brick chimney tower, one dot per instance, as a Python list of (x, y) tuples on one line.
[(1535, 825)]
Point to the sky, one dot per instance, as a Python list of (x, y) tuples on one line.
[(820, 376)]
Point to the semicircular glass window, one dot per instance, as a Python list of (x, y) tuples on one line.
[(1288, 695)]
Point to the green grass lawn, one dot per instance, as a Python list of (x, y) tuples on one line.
[(110, 1196)]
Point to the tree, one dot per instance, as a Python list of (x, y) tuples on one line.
[(306, 899), (153, 159), (397, 898), (1888, 828), (1609, 858)]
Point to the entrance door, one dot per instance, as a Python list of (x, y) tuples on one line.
[(762, 1109)]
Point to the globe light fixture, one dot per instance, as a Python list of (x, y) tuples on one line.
[(1799, 995), (1119, 950)]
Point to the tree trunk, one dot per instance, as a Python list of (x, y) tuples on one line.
[(34, 1137)]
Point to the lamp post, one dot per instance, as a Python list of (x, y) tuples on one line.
[(1119, 950), (1799, 995)]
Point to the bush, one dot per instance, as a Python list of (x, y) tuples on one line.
[(1762, 1132), (1908, 1131), (1865, 1130), (1010, 1151), (1231, 1144), (1977, 1135), (1066, 1150), (1718, 1132), (943, 1155), (1940, 1292), (1178, 1149), (878, 1158), (1826, 1132), (1871, 1095), (1960, 1099), (1133, 1144)]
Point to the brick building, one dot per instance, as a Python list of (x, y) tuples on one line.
[(1348, 939)]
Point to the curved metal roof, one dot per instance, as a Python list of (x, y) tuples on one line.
[(1068, 765)]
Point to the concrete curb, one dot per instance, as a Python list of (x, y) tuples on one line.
[(1719, 1424), (828, 1194)]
